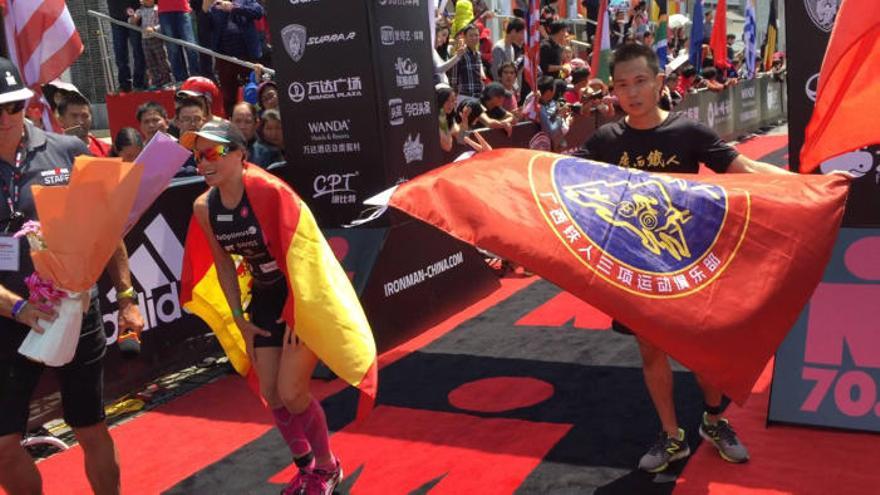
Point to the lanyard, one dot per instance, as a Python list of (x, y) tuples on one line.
[(13, 193)]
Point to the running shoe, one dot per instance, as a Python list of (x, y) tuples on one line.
[(665, 450), (722, 436)]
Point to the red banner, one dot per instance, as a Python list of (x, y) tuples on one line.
[(714, 270)]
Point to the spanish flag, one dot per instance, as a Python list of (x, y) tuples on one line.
[(322, 306), (714, 269)]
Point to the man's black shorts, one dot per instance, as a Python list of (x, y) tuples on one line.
[(81, 380), (267, 302)]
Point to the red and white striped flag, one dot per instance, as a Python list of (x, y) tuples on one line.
[(532, 51), (42, 40)]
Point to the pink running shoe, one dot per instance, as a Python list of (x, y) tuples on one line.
[(298, 484), (321, 482)]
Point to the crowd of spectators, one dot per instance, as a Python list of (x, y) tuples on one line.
[(248, 99), (473, 71)]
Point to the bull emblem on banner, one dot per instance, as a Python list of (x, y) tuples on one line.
[(644, 209), (294, 37)]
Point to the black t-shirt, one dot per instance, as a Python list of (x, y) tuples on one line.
[(118, 8), (678, 145), (551, 54)]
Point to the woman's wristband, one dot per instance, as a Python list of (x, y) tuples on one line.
[(18, 307), (237, 313)]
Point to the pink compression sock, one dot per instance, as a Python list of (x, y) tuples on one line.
[(314, 424), (292, 432)]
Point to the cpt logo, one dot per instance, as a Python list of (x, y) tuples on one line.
[(648, 234)]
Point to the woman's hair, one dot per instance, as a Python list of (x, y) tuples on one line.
[(444, 92), (126, 136)]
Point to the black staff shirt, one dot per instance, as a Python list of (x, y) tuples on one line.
[(46, 159), (678, 145)]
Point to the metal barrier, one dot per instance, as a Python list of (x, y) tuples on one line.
[(168, 39)]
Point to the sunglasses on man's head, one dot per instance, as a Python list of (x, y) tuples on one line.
[(13, 107), (212, 154)]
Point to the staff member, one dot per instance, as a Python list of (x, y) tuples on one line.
[(30, 156)]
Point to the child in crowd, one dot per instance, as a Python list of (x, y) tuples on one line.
[(155, 57)]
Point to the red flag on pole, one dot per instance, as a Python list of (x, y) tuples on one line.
[(718, 42), (848, 98), (714, 270)]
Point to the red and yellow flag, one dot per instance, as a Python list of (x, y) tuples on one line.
[(849, 87), (714, 270), (322, 306)]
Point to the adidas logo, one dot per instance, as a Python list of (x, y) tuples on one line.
[(155, 271)]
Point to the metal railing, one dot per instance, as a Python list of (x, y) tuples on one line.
[(168, 39)]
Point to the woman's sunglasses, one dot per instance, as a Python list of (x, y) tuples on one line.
[(212, 154)]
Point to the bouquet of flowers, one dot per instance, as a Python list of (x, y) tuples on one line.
[(58, 347), (81, 225)]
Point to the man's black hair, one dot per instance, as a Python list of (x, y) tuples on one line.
[(515, 24), (465, 30), (72, 99), (688, 71), (546, 83), (556, 27), (126, 136), (150, 106), (191, 101), (632, 51), (579, 75)]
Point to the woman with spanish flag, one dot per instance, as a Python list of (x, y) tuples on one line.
[(251, 231)]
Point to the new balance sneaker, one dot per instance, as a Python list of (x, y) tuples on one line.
[(722, 436), (664, 451)]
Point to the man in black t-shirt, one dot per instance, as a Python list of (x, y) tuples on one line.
[(550, 59), (29, 156), (655, 140)]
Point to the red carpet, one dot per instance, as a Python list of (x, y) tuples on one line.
[(162, 447), (784, 460), (523, 392)]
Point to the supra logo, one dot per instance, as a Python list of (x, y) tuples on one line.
[(155, 268), (407, 73), (413, 149), (294, 37), (325, 89), (822, 13)]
